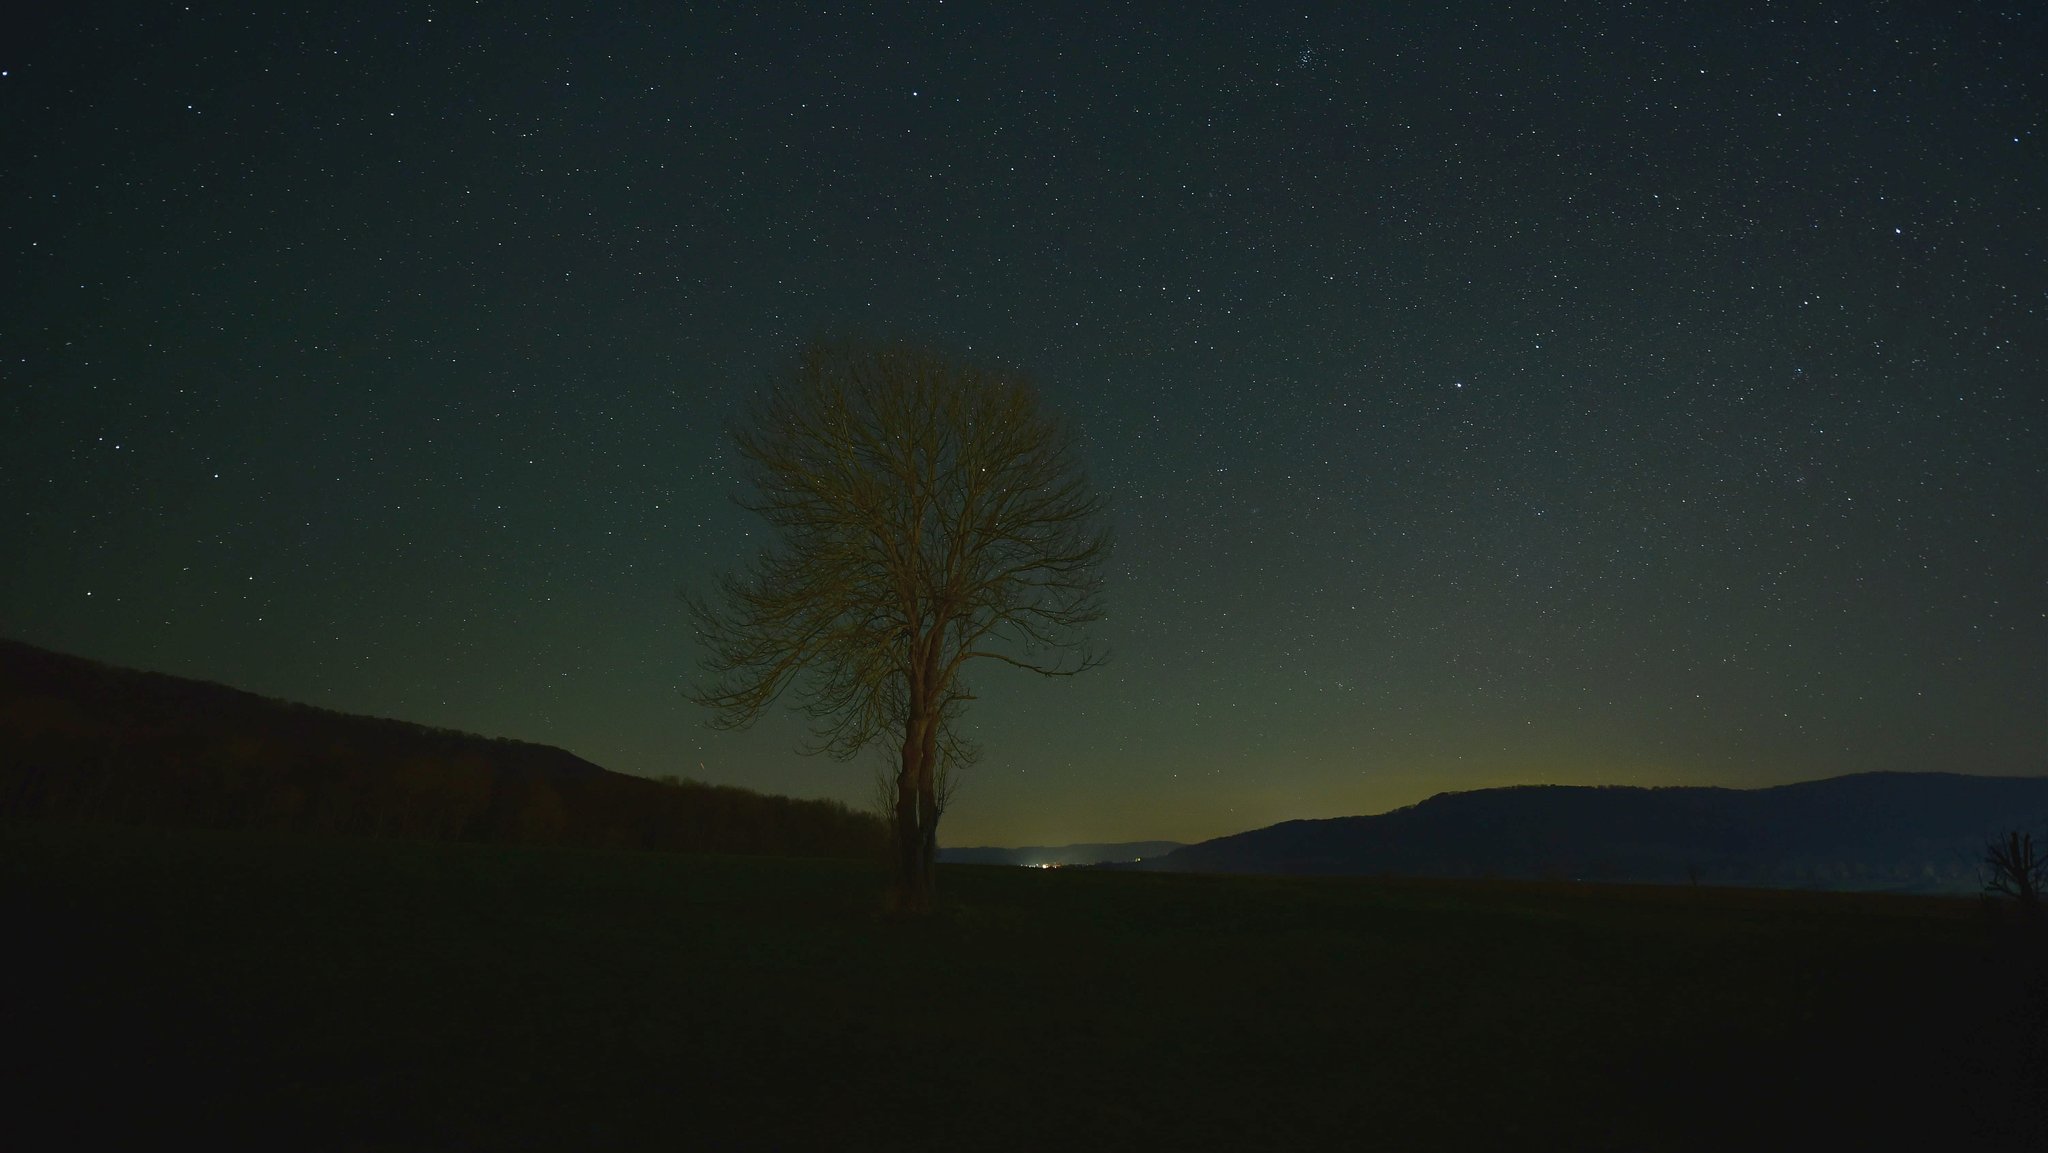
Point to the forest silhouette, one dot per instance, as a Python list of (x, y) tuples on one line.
[(84, 742)]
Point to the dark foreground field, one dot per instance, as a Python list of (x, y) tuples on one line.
[(165, 986)]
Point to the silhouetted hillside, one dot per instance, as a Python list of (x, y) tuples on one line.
[(1920, 832), (1036, 855), (87, 742)]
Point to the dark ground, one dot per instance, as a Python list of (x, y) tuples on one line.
[(251, 991)]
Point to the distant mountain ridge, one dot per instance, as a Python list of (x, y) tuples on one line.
[(1036, 855), (1911, 832), (86, 742)]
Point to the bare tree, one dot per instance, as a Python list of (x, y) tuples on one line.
[(925, 514), (2016, 869)]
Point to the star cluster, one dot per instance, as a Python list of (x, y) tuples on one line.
[(1484, 396)]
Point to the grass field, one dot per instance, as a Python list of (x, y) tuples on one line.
[(377, 995)]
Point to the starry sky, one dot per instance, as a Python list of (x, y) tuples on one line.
[(1595, 393)]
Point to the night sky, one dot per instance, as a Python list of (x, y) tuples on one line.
[(1605, 393)]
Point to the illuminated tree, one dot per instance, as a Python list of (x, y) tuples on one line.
[(925, 514)]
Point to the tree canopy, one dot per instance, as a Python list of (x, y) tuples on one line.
[(926, 513)]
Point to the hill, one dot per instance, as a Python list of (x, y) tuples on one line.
[(1909, 832), (86, 742), (1035, 856)]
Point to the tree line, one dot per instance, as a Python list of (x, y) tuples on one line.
[(92, 743)]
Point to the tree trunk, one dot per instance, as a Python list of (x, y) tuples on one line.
[(913, 864), (911, 896), (917, 813), (928, 808)]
